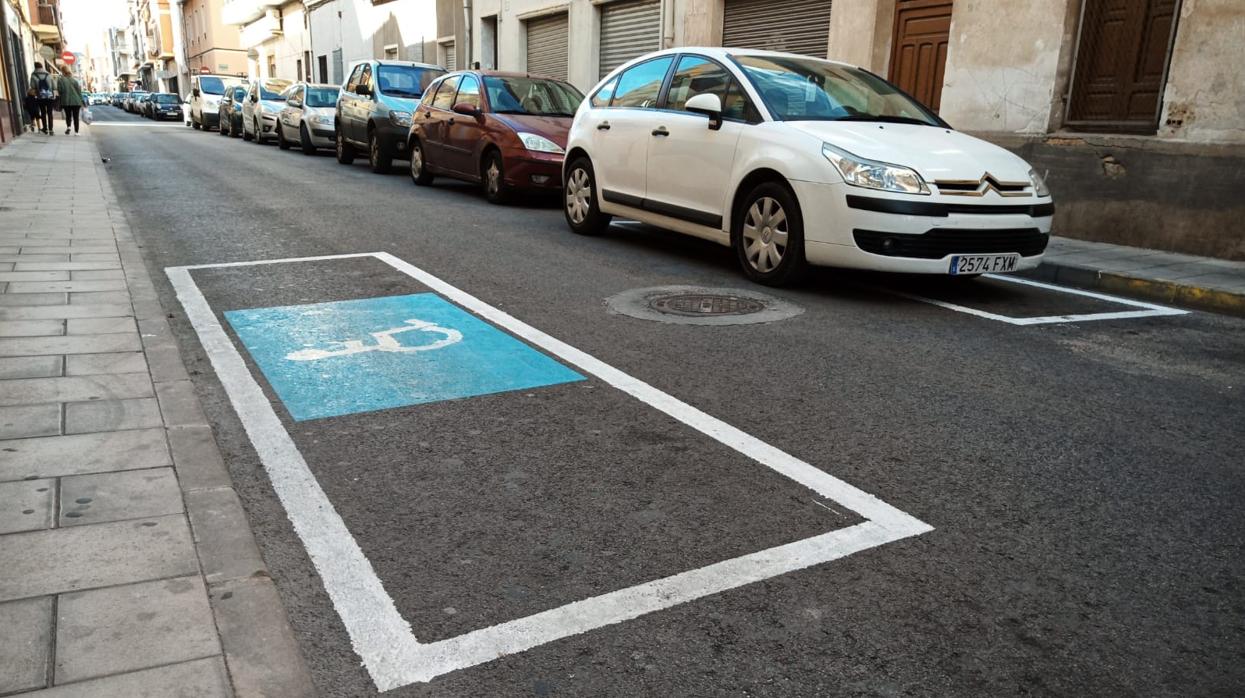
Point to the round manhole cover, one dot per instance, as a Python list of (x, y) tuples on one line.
[(704, 304), (694, 305)]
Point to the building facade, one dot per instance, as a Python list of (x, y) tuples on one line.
[(212, 46), (343, 32), (30, 32), (276, 36)]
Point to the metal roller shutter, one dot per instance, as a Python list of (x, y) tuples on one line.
[(546, 46), (628, 30), (451, 56), (795, 26)]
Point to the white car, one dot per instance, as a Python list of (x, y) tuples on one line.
[(794, 160), (309, 117), (263, 102)]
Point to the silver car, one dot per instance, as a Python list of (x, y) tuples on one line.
[(264, 101), (308, 119)]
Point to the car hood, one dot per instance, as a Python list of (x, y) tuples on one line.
[(934, 152), (555, 128), (399, 103)]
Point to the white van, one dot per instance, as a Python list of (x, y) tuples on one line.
[(205, 94)]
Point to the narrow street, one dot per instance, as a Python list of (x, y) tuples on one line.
[(1060, 501)]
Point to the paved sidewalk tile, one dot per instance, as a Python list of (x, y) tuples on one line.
[(132, 494), (98, 298), (101, 325), (29, 299), (84, 557), (92, 364), (97, 275), (29, 391), (179, 405), (201, 678), (26, 644), (31, 328), (34, 276), (136, 626), (78, 344), (65, 265), (26, 505), (197, 458), (30, 367), (111, 415), (83, 453), (264, 663), (25, 421), (227, 550), (10, 254), (67, 286), (58, 312)]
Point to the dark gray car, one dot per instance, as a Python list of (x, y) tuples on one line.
[(375, 107)]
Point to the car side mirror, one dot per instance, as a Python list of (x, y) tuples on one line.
[(467, 109), (708, 104), (196, 92), (295, 103), (364, 90)]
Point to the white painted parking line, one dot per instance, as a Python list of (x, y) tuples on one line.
[(382, 638), (1147, 309)]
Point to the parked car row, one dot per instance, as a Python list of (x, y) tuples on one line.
[(787, 159)]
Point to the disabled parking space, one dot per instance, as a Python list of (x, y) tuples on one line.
[(469, 487)]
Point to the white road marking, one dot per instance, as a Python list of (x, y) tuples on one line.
[(382, 638), (1148, 309), (151, 124)]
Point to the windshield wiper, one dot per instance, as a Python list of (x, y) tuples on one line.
[(883, 118), (401, 93)]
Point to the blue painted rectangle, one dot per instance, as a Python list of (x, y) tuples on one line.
[(331, 359)]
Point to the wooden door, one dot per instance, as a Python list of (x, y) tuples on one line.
[(919, 48), (1121, 62)]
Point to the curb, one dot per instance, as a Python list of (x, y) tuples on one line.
[(1172, 292), (261, 653)]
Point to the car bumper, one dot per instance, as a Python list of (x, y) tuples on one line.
[(540, 171), (842, 234), (392, 139), (209, 119)]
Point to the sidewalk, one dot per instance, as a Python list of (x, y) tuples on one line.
[(1217, 285), (127, 566)]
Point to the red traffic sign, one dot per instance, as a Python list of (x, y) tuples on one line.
[(204, 70), (68, 58)]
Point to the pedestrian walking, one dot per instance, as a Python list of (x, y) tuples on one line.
[(70, 100), (34, 115), (45, 90)]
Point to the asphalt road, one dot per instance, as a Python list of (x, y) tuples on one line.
[(1083, 480)]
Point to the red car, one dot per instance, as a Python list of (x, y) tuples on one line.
[(506, 131)]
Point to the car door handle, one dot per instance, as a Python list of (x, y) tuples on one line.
[(661, 131), (603, 126)]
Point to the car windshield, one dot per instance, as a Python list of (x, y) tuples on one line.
[(212, 86), (405, 80), (807, 89), (271, 90), (321, 96), (167, 99), (535, 96)]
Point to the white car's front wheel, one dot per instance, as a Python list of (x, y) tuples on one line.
[(768, 235), (583, 213)]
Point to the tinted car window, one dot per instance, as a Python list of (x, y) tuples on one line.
[(639, 86), (468, 91), (405, 80), (167, 99), (445, 94), (321, 96), (212, 86), (698, 75), (352, 85), (538, 96), (605, 94)]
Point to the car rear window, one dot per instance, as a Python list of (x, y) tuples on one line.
[(405, 80)]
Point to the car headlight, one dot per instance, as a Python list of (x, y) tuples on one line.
[(860, 172), (400, 118), (1039, 184), (539, 144)]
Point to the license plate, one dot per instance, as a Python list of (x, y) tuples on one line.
[(982, 263)]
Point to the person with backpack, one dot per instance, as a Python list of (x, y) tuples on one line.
[(70, 100), (45, 91)]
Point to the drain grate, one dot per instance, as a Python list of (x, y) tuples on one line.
[(705, 304), (695, 305)]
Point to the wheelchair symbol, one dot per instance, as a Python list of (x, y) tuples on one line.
[(384, 342)]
